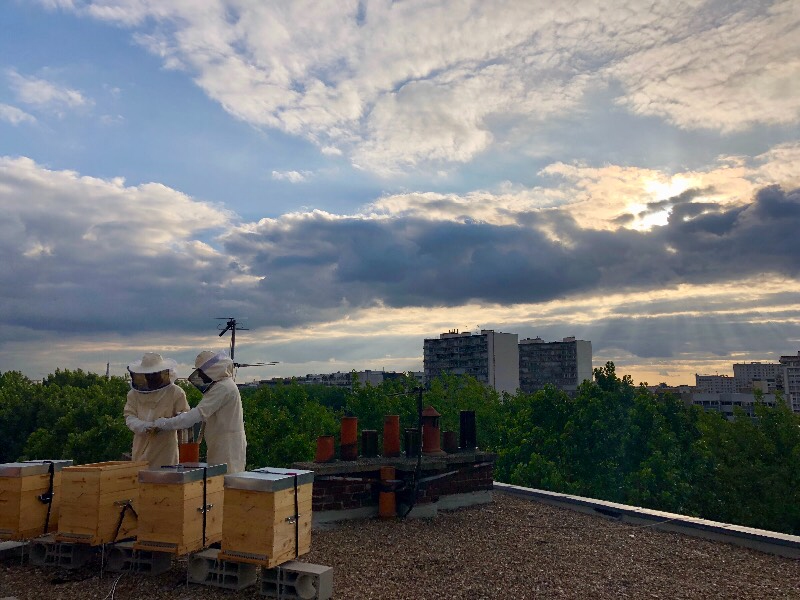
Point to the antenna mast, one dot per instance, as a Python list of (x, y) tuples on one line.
[(232, 326)]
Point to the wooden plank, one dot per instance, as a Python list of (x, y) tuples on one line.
[(79, 490), (40, 483), (264, 539), (10, 502), (107, 467), (10, 484), (118, 483)]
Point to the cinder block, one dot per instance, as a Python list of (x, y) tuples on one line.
[(207, 568), (13, 549), (295, 580), (46, 552), (123, 557)]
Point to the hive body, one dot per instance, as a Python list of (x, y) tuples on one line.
[(264, 523), (23, 489), (93, 499), (171, 509)]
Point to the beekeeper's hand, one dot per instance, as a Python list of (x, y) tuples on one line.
[(181, 421), (137, 425)]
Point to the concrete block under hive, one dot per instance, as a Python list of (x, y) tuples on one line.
[(267, 516), (173, 504), (30, 493), (98, 502), (208, 568)]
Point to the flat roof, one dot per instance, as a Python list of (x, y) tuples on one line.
[(513, 547)]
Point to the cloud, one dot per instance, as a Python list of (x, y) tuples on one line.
[(14, 115), (99, 243), (398, 262), (735, 70), (331, 151), (44, 94), (291, 176), (96, 259), (423, 85), (97, 255)]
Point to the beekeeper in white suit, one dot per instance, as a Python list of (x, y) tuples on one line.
[(153, 394), (220, 408)]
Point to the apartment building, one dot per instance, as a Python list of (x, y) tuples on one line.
[(791, 380), (757, 375), (715, 384), (726, 402), (491, 357), (343, 379), (565, 364)]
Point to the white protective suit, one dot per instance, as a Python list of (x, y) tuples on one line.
[(141, 409), (221, 409)]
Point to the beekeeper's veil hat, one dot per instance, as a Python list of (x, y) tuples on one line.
[(152, 373)]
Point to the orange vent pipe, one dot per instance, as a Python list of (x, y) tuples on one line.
[(391, 435), (349, 440)]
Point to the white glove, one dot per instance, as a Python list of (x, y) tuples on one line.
[(181, 421), (137, 425)]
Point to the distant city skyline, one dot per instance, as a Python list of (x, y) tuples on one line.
[(348, 179)]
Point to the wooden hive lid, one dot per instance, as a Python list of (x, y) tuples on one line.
[(303, 477), (260, 481), (183, 473), (110, 465), (31, 467)]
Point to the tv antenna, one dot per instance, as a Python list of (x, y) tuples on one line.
[(231, 325)]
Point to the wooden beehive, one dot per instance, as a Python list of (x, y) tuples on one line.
[(94, 499), (26, 498), (267, 516), (171, 507)]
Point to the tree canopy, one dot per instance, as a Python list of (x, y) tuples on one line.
[(612, 440)]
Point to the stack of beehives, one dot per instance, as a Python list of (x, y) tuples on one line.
[(261, 517)]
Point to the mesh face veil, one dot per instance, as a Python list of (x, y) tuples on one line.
[(149, 382), (200, 380)]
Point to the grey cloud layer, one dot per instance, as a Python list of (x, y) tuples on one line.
[(90, 255), (400, 262)]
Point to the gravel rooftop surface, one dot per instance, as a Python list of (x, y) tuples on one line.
[(511, 548)]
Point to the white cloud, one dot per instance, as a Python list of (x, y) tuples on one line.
[(742, 71), (403, 85), (80, 246), (331, 151), (14, 115), (44, 94), (112, 119), (291, 176)]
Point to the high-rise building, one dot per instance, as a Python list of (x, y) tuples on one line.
[(490, 357), (565, 364), (757, 375), (791, 380)]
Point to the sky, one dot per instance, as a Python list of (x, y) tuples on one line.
[(347, 179)]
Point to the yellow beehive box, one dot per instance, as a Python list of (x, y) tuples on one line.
[(267, 516), (173, 503), (98, 502), (29, 498)]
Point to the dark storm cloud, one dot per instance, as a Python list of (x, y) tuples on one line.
[(683, 200), (400, 262)]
